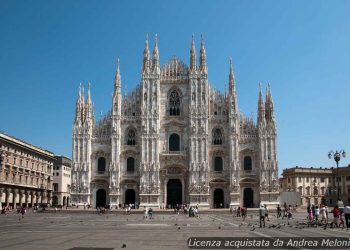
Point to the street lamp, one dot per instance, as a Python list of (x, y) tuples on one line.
[(337, 156), (314, 190)]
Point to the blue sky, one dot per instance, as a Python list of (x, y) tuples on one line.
[(301, 47)]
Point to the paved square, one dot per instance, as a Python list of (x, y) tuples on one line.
[(86, 230)]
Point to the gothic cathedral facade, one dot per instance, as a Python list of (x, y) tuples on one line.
[(174, 139)]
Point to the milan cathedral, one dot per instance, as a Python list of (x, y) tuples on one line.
[(173, 140)]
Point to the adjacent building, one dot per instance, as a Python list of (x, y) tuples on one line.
[(317, 185), (61, 181), (174, 139), (25, 173)]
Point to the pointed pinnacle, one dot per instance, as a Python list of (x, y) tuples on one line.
[(231, 67), (260, 89), (202, 42), (156, 41)]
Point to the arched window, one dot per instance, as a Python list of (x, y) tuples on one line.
[(217, 137), (131, 137), (130, 164), (307, 190), (218, 164), (247, 163), (174, 142), (315, 191), (174, 103), (101, 164), (300, 190)]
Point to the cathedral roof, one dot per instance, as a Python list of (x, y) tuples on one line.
[(174, 69)]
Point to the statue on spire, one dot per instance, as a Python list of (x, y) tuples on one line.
[(146, 63), (155, 63), (193, 55), (202, 57)]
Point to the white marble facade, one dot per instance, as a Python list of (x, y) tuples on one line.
[(174, 139)]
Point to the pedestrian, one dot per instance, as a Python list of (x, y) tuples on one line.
[(126, 209), (317, 213), (262, 214), (243, 213), (145, 210), (266, 213), (336, 216), (323, 214), (347, 216), (239, 211), (278, 211), (150, 213), (341, 218), (23, 211)]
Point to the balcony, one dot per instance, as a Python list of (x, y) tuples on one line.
[(130, 174), (252, 172), (219, 174)]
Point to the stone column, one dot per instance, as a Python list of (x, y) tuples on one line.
[(38, 198), (14, 197), (32, 200), (44, 197), (7, 192), (26, 200), (49, 198), (1, 195), (21, 197)]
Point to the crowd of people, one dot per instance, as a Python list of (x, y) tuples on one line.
[(322, 215), (239, 212)]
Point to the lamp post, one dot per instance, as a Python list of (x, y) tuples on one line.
[(314, 182), (337, 156)]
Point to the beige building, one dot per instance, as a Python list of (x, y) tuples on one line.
[(25, 173), (317, 185), (61, 181)]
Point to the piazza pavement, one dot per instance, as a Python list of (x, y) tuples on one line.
[(86, 229)]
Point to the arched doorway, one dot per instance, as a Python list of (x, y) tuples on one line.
[(219, 198), (130, 196), (174, 192), (248, 197), (64, 200), (54, 200), (100, 198)]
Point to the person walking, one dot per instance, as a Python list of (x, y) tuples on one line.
[(266, 213), (336, 216), (278, 211), (145, 213), (262, 212), (347, 216), (150, 213), (317, 214)]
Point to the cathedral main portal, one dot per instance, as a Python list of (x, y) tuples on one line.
[(174, 192), (101, 198), (248, 197)]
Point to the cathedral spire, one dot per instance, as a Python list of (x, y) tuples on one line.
[(261, 106), (193, 55), (78, 107), (269, 109), (232, 84), (89, 109), (117, 82), (155, 63), (88, 99), (146, 58), (202, 56)]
